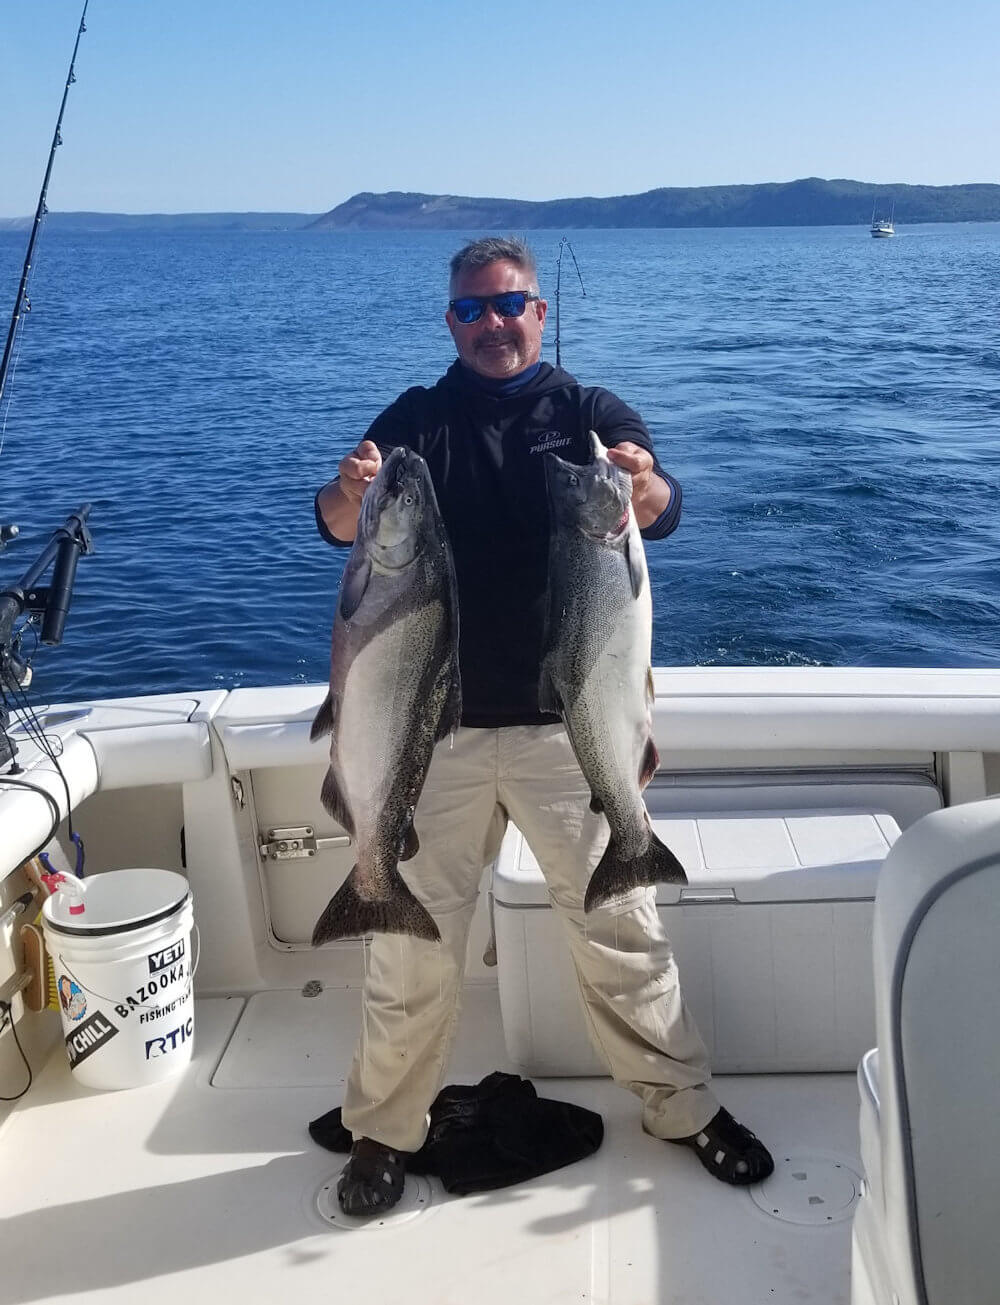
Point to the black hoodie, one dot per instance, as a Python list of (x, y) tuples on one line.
[(484, 451)]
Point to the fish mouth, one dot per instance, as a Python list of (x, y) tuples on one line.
[(609, 536)]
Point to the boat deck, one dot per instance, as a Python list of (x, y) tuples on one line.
[(209, 1188)]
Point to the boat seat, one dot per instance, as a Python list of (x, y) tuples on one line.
[(925, 1228)]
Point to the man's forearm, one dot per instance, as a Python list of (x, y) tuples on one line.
[(340, 513), (653, 503)]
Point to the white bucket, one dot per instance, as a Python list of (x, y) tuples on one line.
[(124, 974)]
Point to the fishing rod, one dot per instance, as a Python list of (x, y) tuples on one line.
[(65, 547), (40, 211), (67, 543), (565, 242)]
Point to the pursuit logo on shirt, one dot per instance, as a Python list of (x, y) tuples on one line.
[(548, 440)]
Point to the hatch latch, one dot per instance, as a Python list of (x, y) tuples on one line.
[(296, 843)]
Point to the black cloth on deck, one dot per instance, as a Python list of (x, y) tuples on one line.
[(484, 451), (491, 1134)]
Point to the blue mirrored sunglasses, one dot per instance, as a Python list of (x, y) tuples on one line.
[(510, 304)]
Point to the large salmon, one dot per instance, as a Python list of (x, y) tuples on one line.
[(394, 691), (596, 662)]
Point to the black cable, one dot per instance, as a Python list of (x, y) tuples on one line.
[(53, 807), (5, 1010), (36, 732)]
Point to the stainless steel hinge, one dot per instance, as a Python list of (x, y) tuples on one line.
[(296, 843)]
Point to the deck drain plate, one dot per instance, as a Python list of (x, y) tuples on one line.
[(416, 1199), (818, 1188)]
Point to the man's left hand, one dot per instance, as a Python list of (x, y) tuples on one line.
[(638, 462), (650, 492)]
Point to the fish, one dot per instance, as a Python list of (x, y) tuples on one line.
[(595, 669), (395, 691)]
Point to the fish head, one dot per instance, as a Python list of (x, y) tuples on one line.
[(399, 511), (594, 498)]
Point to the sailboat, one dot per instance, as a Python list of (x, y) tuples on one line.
[(883, 227)]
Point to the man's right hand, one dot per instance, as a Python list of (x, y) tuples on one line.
[(358, 470)]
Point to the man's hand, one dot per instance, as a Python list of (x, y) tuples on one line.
[(650, 493), (340, 502), (358, 470), (638, 462)]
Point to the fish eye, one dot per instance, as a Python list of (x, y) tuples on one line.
[(574, 479), (408, 499)]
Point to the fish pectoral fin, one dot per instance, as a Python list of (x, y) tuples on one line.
[(354, 583), (636, 565), (650, 761), (326, 718), (333, 802)]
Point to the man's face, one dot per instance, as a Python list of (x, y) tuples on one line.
[(497, 346)]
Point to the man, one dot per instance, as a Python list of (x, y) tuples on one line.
[(482, 430)]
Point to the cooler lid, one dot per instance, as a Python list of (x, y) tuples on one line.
[(744, 856)]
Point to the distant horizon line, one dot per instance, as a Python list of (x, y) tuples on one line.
[(272, 212)]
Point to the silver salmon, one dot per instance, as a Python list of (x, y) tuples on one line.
[(394, 692), (596, 670)]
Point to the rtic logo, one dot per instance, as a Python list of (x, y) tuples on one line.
[(157, 1047), (89, 1037), (160, 960)]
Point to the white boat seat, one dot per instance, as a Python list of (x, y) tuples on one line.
[(926, 1228)]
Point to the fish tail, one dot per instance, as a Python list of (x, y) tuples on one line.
[(615, 876), (349, 915)]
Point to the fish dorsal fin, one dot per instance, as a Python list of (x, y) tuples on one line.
[(635, 558), (354, 584), (333, 801)]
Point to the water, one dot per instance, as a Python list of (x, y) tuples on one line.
[(830, 404)]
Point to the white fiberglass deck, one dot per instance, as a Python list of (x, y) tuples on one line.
[(204, 1189)]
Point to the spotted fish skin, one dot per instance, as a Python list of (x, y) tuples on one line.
[(394, 692), (596, 662)]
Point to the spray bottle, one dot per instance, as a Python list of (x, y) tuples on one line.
[(74, 889)]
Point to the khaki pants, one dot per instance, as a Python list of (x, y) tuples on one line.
[(636, 1016)]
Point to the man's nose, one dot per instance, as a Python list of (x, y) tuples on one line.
[(492, 314)]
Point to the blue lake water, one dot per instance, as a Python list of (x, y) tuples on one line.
[(830, 403)]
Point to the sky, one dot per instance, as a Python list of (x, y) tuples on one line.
[(295, 105)]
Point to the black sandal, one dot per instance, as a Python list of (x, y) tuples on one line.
[(729, 1151), (373, 1178)]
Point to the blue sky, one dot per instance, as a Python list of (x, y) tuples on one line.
[(294, 105)]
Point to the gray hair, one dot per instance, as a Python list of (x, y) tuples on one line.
[(493, 249)]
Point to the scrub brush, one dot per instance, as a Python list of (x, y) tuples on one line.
[(42, 993)]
